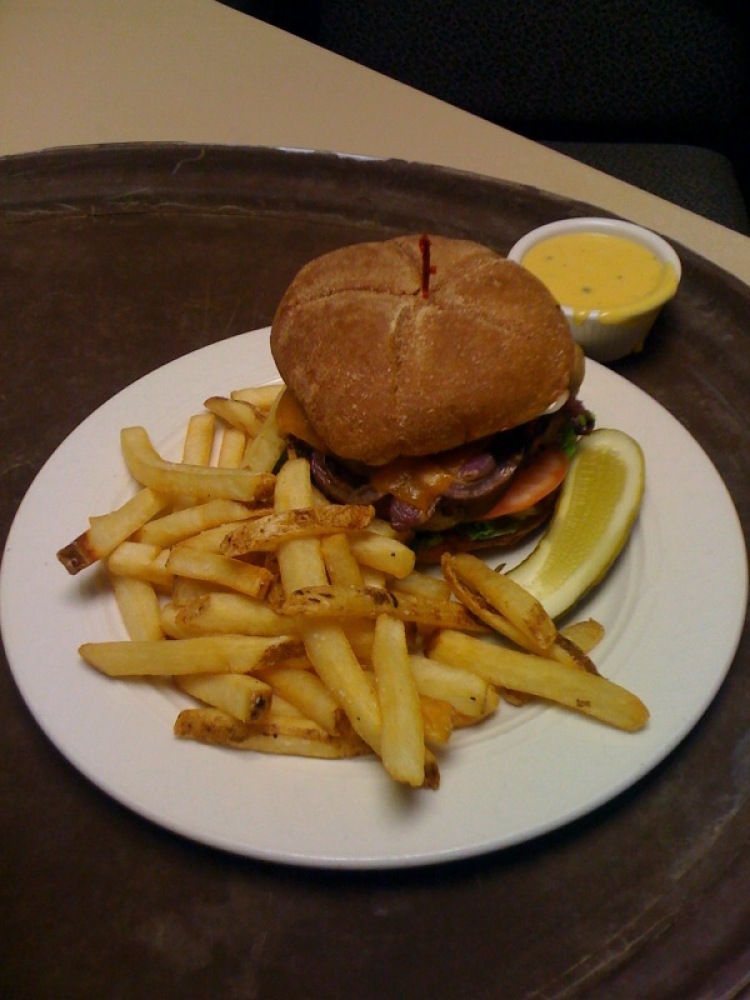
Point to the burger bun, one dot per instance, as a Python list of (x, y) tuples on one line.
[(387, 359)]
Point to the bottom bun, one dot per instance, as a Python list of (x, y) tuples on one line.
[(429, 547)]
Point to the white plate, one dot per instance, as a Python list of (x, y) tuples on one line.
[(673, 608)]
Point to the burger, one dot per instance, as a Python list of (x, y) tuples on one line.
[(436, 380)]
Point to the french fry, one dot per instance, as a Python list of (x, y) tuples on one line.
[(310, 743), (479, 606), (210, 725), (334, 660), (262, 396), (288, 735), (347, 602), (199, 482), (227, 613), (246, 417), (386, 529), (300, 562), (240, 654), (420, 584), (342, 568), (145, 562), (265, 534), (107, 531), (231, 449), (280, 707), (195, 564), (138, 606), (208, 540), (437, 719), (374, 578), (360, 634), (428, 615), (402, 734), (565, 651), (330, 601), (492, 596), (185, 590), (465, 691), (574, 643), (306, 692), (171, 528), (240, 695), (170, 626), (199, 439), (262, 453), (196, 448), (380, 552), (545, 678), (431, 771), (585, 634), (461, 721)]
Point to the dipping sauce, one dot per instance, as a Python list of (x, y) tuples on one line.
[(588, 271)]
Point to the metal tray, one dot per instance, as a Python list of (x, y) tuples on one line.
[(116, 259)]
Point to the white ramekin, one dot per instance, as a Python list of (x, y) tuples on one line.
[(607, 341)]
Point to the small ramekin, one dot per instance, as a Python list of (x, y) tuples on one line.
[(619, 332)]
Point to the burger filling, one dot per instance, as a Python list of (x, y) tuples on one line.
[(501, 485)]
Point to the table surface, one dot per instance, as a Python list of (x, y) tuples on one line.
[(90, 71), (95, 900)]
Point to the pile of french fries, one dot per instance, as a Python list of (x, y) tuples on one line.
[(303, 627)]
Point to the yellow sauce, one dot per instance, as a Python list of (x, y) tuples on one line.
[(599, 271)]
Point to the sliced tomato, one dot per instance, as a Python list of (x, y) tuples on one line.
[(531, 484)]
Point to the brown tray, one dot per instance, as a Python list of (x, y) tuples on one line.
[(114, 260)]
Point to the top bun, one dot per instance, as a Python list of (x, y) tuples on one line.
[(381, 371)]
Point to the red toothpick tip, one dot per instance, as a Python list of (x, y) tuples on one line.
[(427, 268)]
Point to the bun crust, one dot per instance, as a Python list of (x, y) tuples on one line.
[(381, 371)]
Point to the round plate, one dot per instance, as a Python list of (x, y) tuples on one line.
[(673, 615)]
